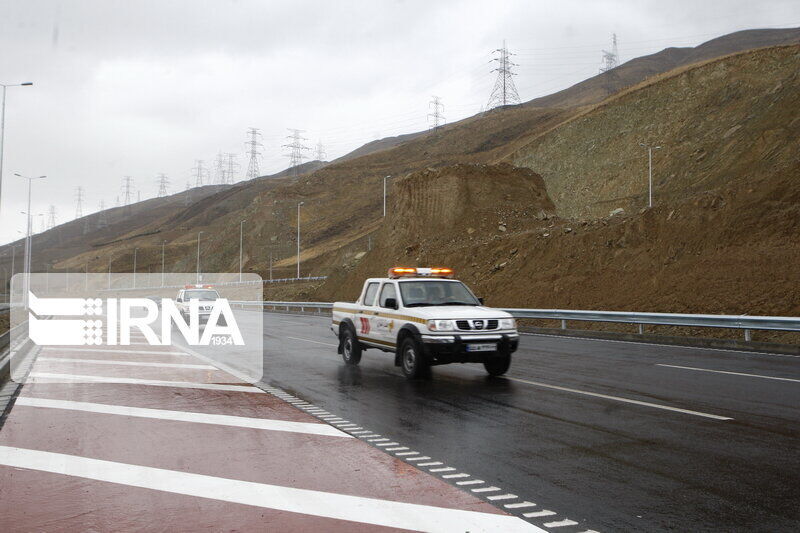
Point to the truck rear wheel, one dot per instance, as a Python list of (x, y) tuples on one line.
[(412, 360), (498, 365), (351, 349)]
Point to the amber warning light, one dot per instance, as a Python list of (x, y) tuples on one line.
[(438, 272)]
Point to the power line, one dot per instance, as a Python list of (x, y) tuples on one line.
[(437, 116), (78, 202), (610, 59), (51, 217), (252, 149), (102, 217), (198, 171), (231, 167), (219, 170), (296, 155), (319, 153), (127, 190), (163, 182), (504, 92)]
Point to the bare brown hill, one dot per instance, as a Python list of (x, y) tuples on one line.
[(630, 73), (720, 121)]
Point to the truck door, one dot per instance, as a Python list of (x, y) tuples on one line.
[(366, 315), (386, 326)]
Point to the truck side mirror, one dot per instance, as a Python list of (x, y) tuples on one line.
[(480, 299), (390, 303)]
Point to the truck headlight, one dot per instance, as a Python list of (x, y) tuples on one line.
[(508, 323), (441, 325)]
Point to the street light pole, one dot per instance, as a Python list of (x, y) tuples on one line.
[(198, 255), (650, 171), (298, 238), (109, 273), (384, 194), (163, 244), (135, 250), (241, 234), (3, 127), (28, 240)]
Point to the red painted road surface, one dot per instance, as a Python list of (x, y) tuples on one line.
[(115, 440)]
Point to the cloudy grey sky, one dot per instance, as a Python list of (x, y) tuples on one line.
[(140, 87)]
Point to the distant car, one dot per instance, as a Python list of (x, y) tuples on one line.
[(425, 318), (204, 293)]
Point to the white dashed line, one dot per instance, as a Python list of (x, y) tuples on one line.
[(519, 505), (455, 476), (432, 463), (422, 458), (730, 373), (471, 482), (538, 514), (620, 399), (486, 489), (561, 523), (443, 469), (502, 497)]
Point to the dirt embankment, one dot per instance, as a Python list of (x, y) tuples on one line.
[(448, 216), (727, 252)]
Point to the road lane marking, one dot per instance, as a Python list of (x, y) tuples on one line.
[(110, 351), (401, 515), (731, 373), (403, 454), (443, 469), (387, 444), (502, 497), (125, 363), (432, 463), (519, 505), (619, 399), (315, 342), (455, 476), (422, 458), (470, 482), (314, 428), (51, 377), (676, 346), (561, 523), (486, 489), (396, 449), (538, 514)]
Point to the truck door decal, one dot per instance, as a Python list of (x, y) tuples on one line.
[(364, 325)]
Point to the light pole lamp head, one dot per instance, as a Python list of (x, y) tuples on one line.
[(26, 84)]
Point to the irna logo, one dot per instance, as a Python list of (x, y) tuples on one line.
[(111, 321)]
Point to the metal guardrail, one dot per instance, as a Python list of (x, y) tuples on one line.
[(741, 322), (220, 284), (288, 305)]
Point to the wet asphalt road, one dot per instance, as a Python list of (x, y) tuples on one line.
[(543, 433)]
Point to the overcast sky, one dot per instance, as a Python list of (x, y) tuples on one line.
[(143, 87)]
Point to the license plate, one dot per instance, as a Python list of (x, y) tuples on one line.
[(481, 347)]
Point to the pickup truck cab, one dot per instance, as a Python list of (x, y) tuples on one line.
[(204, 293), (425, 318)]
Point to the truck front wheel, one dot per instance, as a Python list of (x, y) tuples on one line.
[(498, 365), (412, 360), (351, 349)]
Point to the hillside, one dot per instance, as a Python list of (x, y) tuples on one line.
[(724, 125), (716, 123), (635, 71)]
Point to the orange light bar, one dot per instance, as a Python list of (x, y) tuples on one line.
[(401, 271), (441, 271)]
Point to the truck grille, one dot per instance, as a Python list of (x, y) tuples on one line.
[(477, 324)]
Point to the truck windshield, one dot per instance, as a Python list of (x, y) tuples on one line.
[(428, 293), (200, 295)]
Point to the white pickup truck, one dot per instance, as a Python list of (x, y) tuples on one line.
[(424, 318), (206, 296)]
